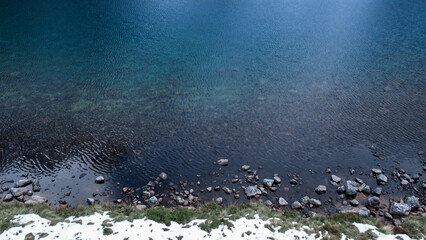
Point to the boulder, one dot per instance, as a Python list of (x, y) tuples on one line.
[(219, 200), (268, 182), (8, 197), (23, 183), (399, 209), (413, 202), (296, 205), (99, 180), (268, 203), (163, 176), (91, 201), (320, 189), (282, 202), (153, 201), (364, 212), (373, 202), (335, 178), (16, 192)]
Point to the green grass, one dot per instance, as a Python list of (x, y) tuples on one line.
[(331, 227)]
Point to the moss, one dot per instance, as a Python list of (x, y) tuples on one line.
[(29, 236), (415, 226), (42, 235), (107, 231)]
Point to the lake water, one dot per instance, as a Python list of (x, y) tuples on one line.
[(128, 89)]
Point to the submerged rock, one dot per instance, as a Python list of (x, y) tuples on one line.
[(296, 205), (366, 189), (223, 162), (268, 203), (91, 201), (219, 200), (373, 202), (227, 190), (277, 180), (400, 209), (315, 202), (245, 167), (377, 191), (354, 202), (364, 212), (376, 171), (341, 189), (252, 191), (153, 201), (8, 197)]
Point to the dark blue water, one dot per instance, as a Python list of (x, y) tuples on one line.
[(128, 89)]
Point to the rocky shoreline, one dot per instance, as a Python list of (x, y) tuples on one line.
[(353, 195)]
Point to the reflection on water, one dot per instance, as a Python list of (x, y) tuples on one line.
[(142, 87)]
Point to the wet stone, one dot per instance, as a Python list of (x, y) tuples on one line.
[(282, 202), (23, 183), (399, 209), (227, 190), (320, 189), (163, 176), (36, 199), (268, 182), (335, 178), (277, 180), (235, 180), (8, 197), (341, 189), (237, 196), (296, 205), (364, 212), (223, 162), (252, 191), (16, 192), (377, 191), (91, 201), (62, 201), (315, 202), (382, 179), (376, 171), (351, 188), (413, 202), (153, 201), (4, 188), (359, 180), (354, 202), (245, 167), (388, 216), (268, 203), (293, 181), (366, 189), (219, 200), (99, 180), (217, 188), (209, 189), (404, 183)]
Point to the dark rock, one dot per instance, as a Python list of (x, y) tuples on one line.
[(268, 182), (413, 202), (219, 200), (237, 196), (209, 189), (4, 188), (23, 183), (82, 175), (376, 171), (377, 191), (282, 202), (399, 209), (366, 189), (8, 197), (382, 179), (91, 201), (217, 188), (180, 200), (293, 181), (341, 189), (163, 176), (311, 214), (245, 167), (36, 188), (126, 189), (235, 180), (62, 201), (296, 205), (268, 203), (373, 202), (328, 170), (335, 178), (320, 189), (99, 180), (352, 171), (351, 188), (16, 192), (404, 183), (252, 191), (223, 162), (153, 201)]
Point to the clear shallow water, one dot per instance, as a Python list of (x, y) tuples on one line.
[(132, 88)]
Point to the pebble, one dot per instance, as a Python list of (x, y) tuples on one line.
[(382, 179), (100, 179), (335, 178), (352, 171), (163, 176), (282, 202), (315, 202), (320, 189), (91, 201), (404, 183), (223, 162), (296, 205)]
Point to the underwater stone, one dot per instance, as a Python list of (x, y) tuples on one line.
[(320, 189), (268, 182), (223, 162), (163, 176), (23, 183), (252, 191), (382, 179), (99, 180), (351, 188), (335, 178), (400, 209), (282, 202)]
